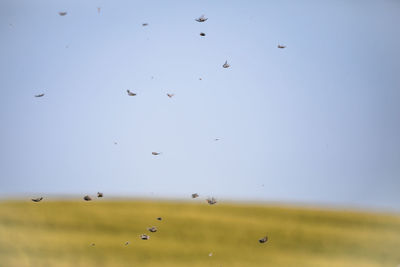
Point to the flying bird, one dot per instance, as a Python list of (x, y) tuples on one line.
[(155, 153), (130, 93), (37, 199), (152, 229), (98, 10), (281, 46), (217, 139), (39, 95), (211, 201), (263, 240), (202, 34), (201, 18), (170, 95), (62, 13), (226, 65), (200, 79), (144, 237), (195, 195), (126, 243), (93, 244), (145, 24), (87, 198), (159, 218), (99, 194)]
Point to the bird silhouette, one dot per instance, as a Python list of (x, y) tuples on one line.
[(152, 229), (211, 201), (263, 240), (144, 237), (201, 18), (226, 65), (37, 199), (130, 93)]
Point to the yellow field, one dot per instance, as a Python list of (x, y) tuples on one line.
[(60, 233)]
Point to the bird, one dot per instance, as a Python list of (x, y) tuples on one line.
[(201, 18), (130, 93), (98, 10), (281, 46), (202, 34), (211, 201), (226, 65), (99, 194), (93, 244), (87, 198), (39, 95), (37, 199), (200, 79), (126, 243), (62, 13), (170, 95), (144, 24), (155, 153), (263, 240), (217, 139), (144, 237), (115, 143), (195, 195), (159, 218), (152, 229)]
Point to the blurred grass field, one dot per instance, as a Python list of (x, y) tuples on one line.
[(60, 233)]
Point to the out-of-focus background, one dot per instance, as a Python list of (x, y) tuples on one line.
[(78, 233), (284, 139)]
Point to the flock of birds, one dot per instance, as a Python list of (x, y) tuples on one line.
[(211, 200)]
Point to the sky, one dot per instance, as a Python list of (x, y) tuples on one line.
[(317, 122)]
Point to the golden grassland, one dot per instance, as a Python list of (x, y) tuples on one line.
[(60, 233)]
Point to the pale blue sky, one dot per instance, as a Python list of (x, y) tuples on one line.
[(317, 122)]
